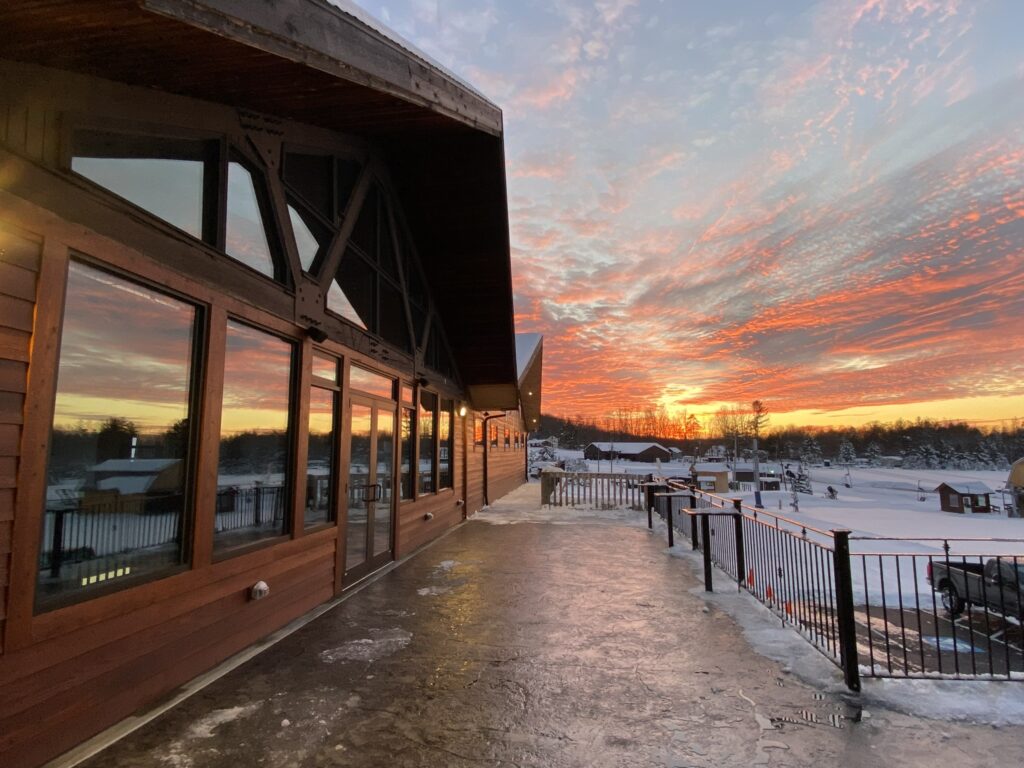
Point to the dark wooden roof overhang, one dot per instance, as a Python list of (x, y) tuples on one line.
[(309, 61)]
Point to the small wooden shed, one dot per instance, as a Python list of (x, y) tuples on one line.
[(964, 497), (711, 476)]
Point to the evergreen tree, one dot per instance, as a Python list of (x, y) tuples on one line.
[(874, 454), (847, 453), (810, 451)]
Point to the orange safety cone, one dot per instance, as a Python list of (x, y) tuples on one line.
[(789, 608), (750, 578), (768, 594)]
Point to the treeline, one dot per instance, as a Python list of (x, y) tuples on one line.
[(920, 444)]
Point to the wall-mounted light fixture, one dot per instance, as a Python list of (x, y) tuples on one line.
[(319, 335), (463, 410)]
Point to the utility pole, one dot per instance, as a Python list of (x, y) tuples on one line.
[(758, 420)]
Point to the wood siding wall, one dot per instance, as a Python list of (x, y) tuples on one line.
[(414, 528), (19, 271), (506, 467)]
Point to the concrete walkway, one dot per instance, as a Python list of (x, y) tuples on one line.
[(551, 642)]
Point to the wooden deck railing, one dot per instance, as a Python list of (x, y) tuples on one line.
[(593, 490)]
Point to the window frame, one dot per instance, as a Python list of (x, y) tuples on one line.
[(135, 135), (448, 443), (292, 526), (198, 363), (317, 382), (421, 391)]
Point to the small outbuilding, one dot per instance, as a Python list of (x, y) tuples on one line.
[(627, 452), (743, 473), (964, 497), (711, 476)]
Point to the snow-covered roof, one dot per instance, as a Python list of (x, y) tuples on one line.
[(711, 466), (133, 466), (126, 484), (622, 448), (971, 487)]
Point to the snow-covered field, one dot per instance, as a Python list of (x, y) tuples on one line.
[(881, 502)]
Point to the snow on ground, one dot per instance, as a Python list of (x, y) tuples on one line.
[(882, 502)]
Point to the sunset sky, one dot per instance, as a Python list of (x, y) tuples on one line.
[(816, 204)]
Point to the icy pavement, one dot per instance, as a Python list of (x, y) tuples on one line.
[(542, 643)]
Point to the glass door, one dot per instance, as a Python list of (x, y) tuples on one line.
[(371, 476)]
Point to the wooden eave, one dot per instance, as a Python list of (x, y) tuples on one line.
[(308, 61)]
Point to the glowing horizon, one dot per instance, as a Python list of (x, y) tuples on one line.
[(820, 206)]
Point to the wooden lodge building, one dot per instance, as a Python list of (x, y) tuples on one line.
[(256, 325), (649, 452)]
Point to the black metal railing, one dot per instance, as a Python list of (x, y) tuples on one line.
[(935, 612), (249, 507), (83, 530)]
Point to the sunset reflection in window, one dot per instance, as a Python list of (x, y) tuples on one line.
[(253, 477)]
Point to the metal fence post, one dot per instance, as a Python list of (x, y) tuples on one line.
[(705, 532), (693, 519), (57, 544), (668, 519), (844, 611), (741, 562)]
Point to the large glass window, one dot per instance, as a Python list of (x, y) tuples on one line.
[(163, 176), (320, 465), (445, 445), (427, 430), (405, 489), (370, 382), (246, 239), (312, 177), (118, 481), (253, 478), (367, 289), (310, 238)]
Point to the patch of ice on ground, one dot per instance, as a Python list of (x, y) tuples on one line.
[(517, 514), (180, 753), (381, 643), (433, 591), (446, 565), (205, 726)]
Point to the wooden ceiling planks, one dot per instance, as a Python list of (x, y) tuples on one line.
[(116, 40)]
